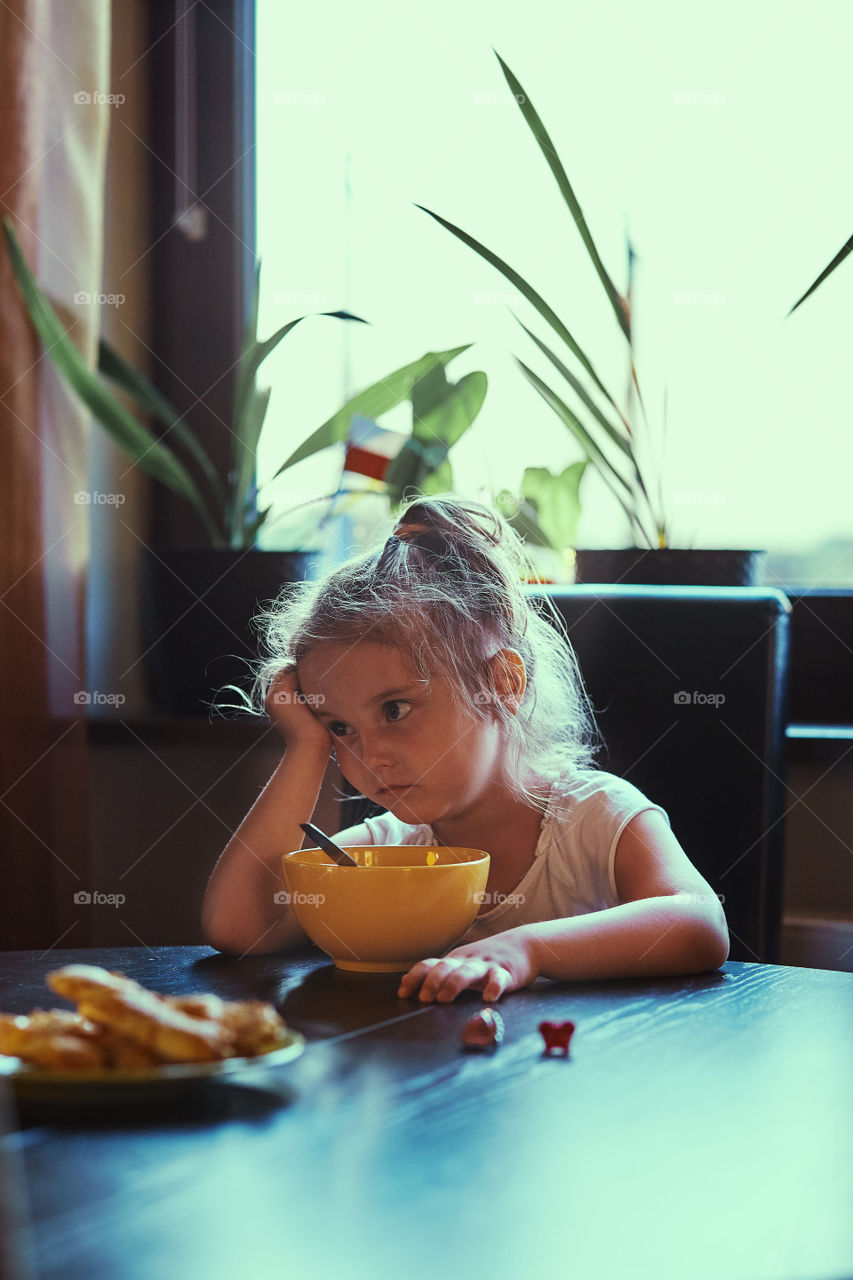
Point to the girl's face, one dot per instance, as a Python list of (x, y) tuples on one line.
[(390, 731)]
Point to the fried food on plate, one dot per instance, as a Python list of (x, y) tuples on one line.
[(121, 1024), (52, 1038)]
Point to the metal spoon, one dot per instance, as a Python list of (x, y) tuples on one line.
[(337, 854)]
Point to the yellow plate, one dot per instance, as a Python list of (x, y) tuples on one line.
[(130, 1084)]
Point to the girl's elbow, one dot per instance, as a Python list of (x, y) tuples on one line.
[(708, 946)]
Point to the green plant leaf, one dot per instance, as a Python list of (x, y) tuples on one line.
[(529, 293), (151, 401), (441, 414), (549, 151), (827, 271), (608, 472), (375, 400), (556, 500), (149, 453), (623, 442)]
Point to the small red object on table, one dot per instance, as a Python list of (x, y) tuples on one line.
[(484, 1030), (556, 1036)]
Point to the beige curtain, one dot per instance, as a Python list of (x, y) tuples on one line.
[(54, 67)]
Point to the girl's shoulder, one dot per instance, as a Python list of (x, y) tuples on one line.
[(576, 791)]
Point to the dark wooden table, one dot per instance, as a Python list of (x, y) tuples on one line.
[(700, 1128)]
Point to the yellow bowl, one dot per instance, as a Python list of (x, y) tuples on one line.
[(401, 904)]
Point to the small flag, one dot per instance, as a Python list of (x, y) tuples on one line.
[(370, 448)]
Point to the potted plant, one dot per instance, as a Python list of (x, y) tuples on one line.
[(197, 603), (610, 441)]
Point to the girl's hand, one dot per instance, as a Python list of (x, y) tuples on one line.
[(291, 713), (501, 963)]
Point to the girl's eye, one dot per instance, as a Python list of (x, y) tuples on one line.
[(338, 728), (403, 709)]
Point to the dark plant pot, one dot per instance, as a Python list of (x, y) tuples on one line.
[(668, 567), (197, 607)]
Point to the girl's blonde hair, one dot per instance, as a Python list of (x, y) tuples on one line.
[(448, 589)]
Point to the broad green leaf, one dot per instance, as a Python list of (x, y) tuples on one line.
[(549, 151), (556, 500), (522, 517), (375, 400), (149, 453), (150, 400), (529, 293), (451, 415), (827, 271)]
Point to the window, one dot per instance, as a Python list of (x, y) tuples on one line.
[(712, 136)]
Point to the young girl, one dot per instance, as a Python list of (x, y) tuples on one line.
[(452, 702)]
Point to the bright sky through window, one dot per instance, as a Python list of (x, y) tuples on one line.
[(718, 138)]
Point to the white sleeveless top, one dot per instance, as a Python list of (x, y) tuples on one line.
[(572, 872)]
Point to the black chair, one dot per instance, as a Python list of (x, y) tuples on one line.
[(689, 688)]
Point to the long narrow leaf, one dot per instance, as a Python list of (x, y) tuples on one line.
[(827, 271), (548, 149), (141, 445), (578, 387), (530, 294), (150, 400), (609, 474), (377, 399)]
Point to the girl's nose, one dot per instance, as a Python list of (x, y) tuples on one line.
[(376, 754)]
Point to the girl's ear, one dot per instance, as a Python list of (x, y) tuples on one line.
[(510, 677)]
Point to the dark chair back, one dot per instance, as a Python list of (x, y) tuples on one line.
[(689, 689)]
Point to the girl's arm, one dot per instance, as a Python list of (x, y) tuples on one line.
[(240, 913), (669, 922)]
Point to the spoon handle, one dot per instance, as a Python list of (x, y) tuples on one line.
[(328, 846)]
